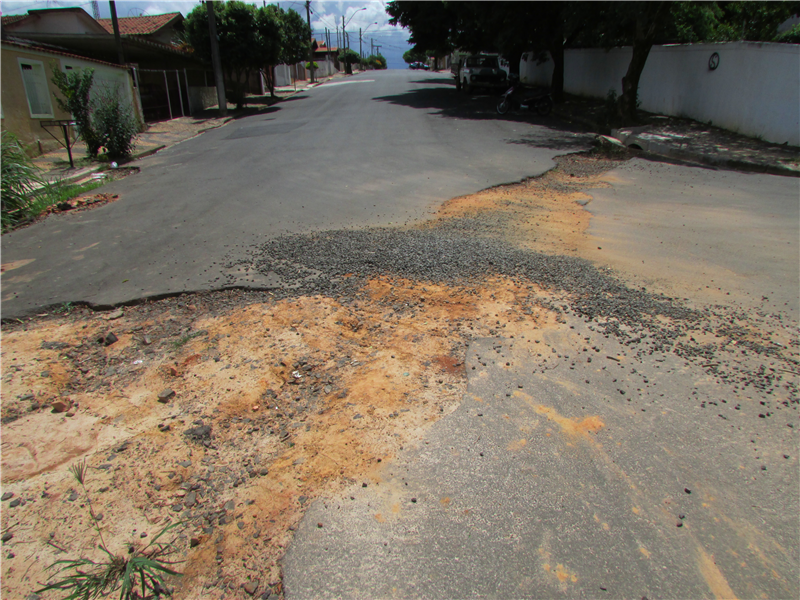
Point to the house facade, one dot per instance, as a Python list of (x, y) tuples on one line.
[(27, 94), (166, 75)]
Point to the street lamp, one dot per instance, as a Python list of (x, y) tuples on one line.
[(345, 24), (361, 35)]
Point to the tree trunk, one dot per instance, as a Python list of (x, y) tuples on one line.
[(647, 22), (557, 82), (630, 83), (269, 77), (514, 59)]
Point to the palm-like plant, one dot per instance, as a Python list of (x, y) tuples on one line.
[(19, 179)]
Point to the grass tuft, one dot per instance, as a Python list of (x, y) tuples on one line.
[(137, 575)]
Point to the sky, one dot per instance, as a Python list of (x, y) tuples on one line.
[(370, 16)]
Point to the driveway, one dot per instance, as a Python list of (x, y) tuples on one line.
[(381, 148)]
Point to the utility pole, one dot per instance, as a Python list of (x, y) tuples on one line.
[(117, 36), (310, 40), (371, 47), (344, 41), (360, 52), (218, 79)]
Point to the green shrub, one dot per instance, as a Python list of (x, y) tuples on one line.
[(791, 36), (310, 65), (76, 86), (114, 123), (19, 179)]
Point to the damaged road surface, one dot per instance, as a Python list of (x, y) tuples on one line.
[(467, 407)]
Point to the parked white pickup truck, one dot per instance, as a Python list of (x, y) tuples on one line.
[(479, 71)]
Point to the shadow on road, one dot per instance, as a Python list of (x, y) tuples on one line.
[(550, 132), (437, 81)]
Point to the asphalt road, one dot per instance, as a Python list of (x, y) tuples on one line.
[(590, 462), (380, 148)]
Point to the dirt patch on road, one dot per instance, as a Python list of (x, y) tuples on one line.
[(275, 402), (545, 214), (231, 411)]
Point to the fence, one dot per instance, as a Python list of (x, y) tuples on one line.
[(753, 89), (166, 94), (288, 74)]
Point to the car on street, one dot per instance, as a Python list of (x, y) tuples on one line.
[(479, 71)]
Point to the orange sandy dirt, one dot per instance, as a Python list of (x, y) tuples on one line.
[(303, 396)]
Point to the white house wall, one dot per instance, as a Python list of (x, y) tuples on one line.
[(754, 91), (104, 77)]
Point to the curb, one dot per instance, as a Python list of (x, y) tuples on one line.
[(730, 163), (661, 150), (146, 153), (658, 149)]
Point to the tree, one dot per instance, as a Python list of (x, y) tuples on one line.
[(790, 36), (250, 39), (349, 58), (753, 21), (509, 28), (637, 23), (432, 24), (541, 28), (377, 62), (238, 45), (643, 24), (295, 41), (414, 55), (270, 26)]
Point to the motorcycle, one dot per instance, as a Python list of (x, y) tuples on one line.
[(541, 103)]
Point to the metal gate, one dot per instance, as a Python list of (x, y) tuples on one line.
[(165, 93)]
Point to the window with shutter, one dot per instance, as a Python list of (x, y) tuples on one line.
[(34, 80)]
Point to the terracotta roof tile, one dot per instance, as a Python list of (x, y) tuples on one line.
[(13, 19), (28, 45), (139, 25)]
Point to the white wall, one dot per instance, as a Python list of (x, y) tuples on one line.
[(104, 77), (283, 75), (754, 91), (201, 98)]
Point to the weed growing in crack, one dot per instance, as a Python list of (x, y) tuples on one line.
[(186, 339), (137, 575)]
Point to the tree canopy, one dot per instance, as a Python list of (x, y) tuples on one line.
[(250, 39), (414, 55), (542, 28), (376, 61)]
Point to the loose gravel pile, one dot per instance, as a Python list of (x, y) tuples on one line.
[(467, 250)]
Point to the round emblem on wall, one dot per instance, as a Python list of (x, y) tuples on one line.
[(713, 62)]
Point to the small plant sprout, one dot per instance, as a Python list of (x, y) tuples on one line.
[(136, 575)]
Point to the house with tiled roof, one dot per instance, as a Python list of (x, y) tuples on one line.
[(29, 110), (163, 29), (170, 80), (148, 42)]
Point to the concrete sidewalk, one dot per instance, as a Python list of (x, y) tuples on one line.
[(693, 141), (686, 140)]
